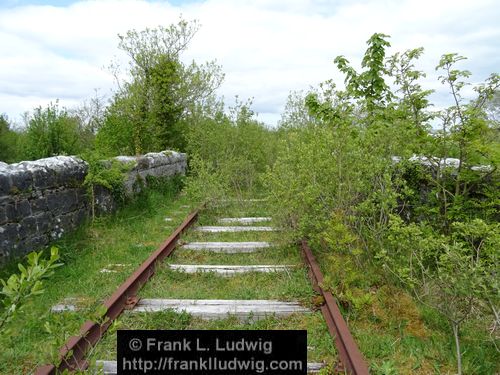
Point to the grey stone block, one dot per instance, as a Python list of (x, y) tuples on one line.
[(67, 221), (42, 199), (17, 210), (5, 200), (39, 205), (142, 163), (104, 202), (5, 183), (32, 244), (81, 197), (70, 177), (3, 215), (18, 249), (81, 215), (22, 180), (62, 201), (27, 227), (62, 176), (39, 242), (9, 234), (44, 178), (71, 200), (44, 222)]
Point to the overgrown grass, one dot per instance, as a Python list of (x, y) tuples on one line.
[(234, 208), (293, 284), (127, 237), (281, 255), (290, 285), (319, 342), (395, 333), (120, 243), (230, 236)]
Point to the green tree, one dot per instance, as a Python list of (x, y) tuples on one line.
[(455, 275), (229, 153), (52, 131), (295, 115), (467, 122), (370, 84), (414, 102), (151, 108), (90, 115), (429, 218), (466, 134), (9, 141)]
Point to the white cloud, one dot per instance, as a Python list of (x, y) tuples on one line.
[(266, 48)]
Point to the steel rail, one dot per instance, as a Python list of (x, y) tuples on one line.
[(350, 356), (72, 353)]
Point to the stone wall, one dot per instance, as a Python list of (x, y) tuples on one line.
[(43, 199)]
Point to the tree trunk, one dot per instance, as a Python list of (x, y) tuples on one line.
[(93, 203), (456, 328)]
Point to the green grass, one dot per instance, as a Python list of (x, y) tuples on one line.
[(193, 235), (320, 344), (127, 237), (396, 334), (291, 285), (235, 209), (273, 255)]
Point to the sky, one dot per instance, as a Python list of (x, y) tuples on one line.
[(61, 49)]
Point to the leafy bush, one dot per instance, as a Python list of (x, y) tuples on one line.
[(360, 173), (9, 141), (108, 174), (18, 289), (455, 275), (152, 109), (52, 131), (228, 154)]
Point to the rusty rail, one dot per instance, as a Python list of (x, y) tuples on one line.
[(72, 353), (350, 356)]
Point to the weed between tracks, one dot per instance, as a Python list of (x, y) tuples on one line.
[(319, 342), (274, 255), (121, 243), (238, 208), (289, 285), (292, 284)]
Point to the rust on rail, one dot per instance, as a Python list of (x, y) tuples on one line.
[(350, 356), (73, 352)]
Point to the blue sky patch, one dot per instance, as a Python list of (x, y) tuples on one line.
[(16, 3), (62, 3)]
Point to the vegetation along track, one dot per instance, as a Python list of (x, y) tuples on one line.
[(267, 288)]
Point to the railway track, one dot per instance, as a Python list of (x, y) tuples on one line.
[(73, 354)]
